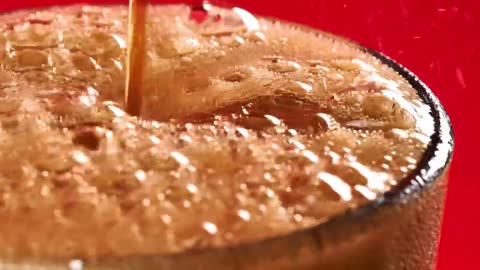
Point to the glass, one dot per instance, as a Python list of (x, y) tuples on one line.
[(396, 231)]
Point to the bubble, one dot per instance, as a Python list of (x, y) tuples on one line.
[(75, 265), (28, 59), (115, 110), (120, 40), (192, 188), (83, 62), (283, 66), (87, 137), (54, 163), (146, 202), (337, 184), (45, 191), (365, 124), (247, 18), (275, 121), (310, 156), (236, 74), (305, 86), (8, 105), (366, 192), (180, 158), (32, 36), (375, 180), (166, 219), (80, 157), (140, 175), (244, 215), (256, 36), (237, 41), (210, 228)]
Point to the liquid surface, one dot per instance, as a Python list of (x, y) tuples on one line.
[(252, 129)]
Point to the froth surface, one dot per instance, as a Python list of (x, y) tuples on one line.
[(251, 129)]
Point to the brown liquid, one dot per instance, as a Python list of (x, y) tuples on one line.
[(262, 113), (136, 56), (275, 128)]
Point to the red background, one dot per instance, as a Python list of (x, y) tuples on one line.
[(436, 39)]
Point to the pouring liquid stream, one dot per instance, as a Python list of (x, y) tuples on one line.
[(135, 56), (136, 51)]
